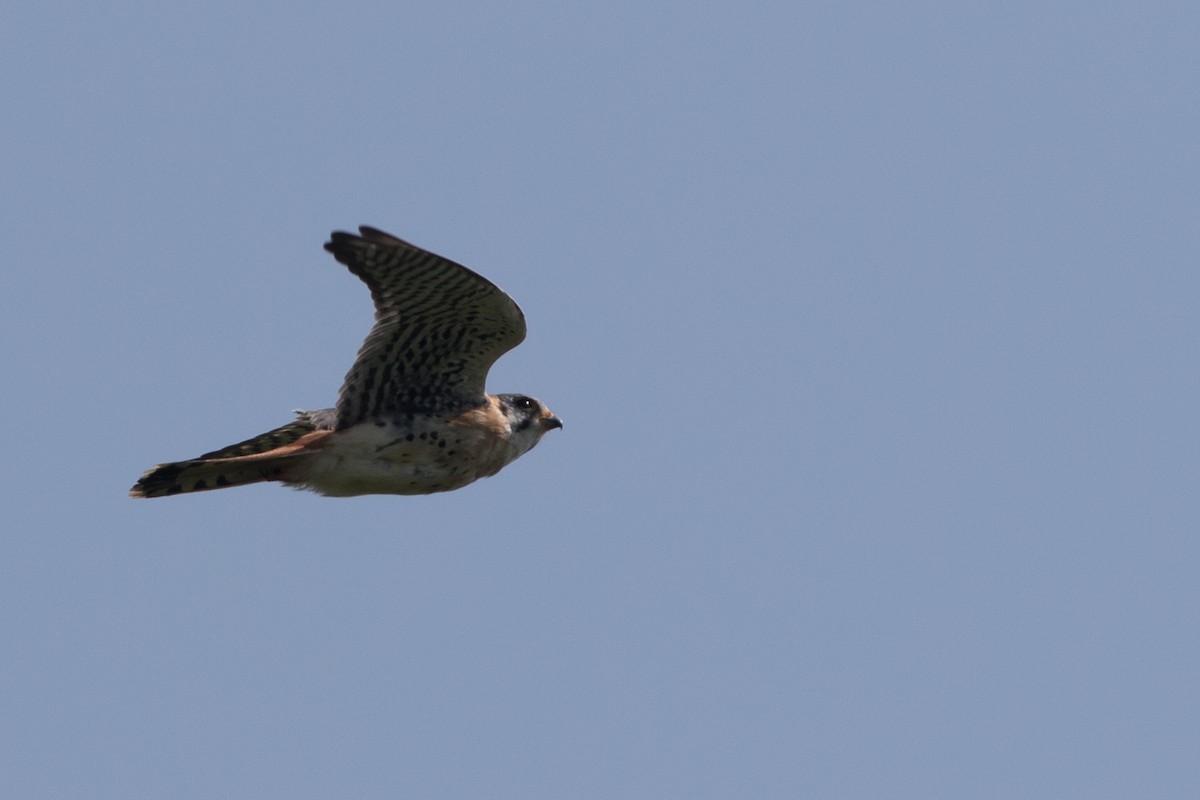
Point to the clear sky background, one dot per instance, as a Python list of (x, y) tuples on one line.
[(874, 330)]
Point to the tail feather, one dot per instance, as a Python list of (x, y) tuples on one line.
[(199, 475), (270, 456)]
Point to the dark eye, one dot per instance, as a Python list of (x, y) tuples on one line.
[(525, 403)]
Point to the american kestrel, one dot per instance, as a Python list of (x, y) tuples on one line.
[(412, 416)]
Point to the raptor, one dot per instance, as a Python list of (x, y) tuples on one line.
[(412, 416)]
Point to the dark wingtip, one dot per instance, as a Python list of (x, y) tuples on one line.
[(337, 241), (365, 234)]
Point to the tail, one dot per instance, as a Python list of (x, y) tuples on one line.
[(267, 457), (200, 474)]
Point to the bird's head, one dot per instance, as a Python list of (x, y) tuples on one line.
[(528, 419)]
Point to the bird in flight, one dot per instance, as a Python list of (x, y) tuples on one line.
[(412, 416)]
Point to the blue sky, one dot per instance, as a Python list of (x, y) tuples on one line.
[(873, 327)]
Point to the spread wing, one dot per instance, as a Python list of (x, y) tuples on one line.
[(439, 327), (305, 423)]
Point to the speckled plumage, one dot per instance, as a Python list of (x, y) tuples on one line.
[(412, 416)]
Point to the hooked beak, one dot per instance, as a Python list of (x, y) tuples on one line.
[(551, 422)]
